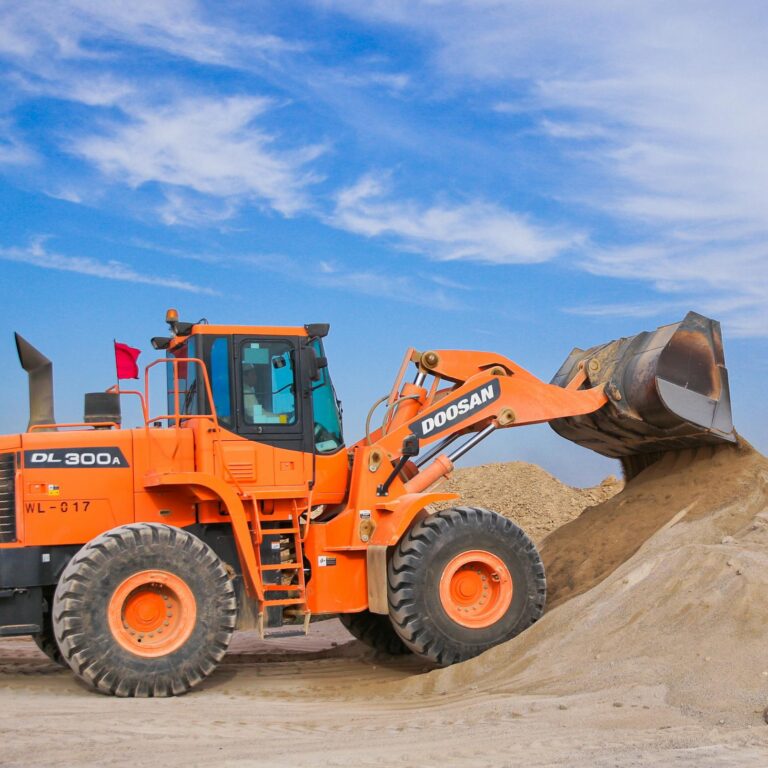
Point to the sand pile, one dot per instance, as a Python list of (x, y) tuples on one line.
[(527, 494), (664, 587)]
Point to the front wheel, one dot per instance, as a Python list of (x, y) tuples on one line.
[(144, 610), (376, 631), (461, 581)]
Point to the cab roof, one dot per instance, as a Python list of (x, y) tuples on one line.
[(245, 330)]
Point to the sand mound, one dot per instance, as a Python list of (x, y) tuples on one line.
[(662, 586), (527, 494), (695, 484)]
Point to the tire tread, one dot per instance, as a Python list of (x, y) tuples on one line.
[(90, 657), (415, 628)]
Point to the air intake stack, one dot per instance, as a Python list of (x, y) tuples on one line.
[(40, 371)]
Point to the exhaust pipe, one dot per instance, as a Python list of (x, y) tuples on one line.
[(667, 390), (40, 371)]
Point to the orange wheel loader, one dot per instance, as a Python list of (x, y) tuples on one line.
[(132, 555)]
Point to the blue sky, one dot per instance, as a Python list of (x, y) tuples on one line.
[(522, 177)]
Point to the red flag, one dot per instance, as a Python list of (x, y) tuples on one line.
[(125, 361)]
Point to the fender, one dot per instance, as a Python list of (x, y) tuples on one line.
[(209, 487), (398, 515)]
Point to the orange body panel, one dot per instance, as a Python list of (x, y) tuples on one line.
[(73, 505), (9, 443)]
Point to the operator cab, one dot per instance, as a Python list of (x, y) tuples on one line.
[(269, 385)]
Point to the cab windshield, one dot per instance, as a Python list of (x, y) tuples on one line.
[(326, 409)]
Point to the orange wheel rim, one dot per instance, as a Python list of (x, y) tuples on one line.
[(476, 589), (152, 613)]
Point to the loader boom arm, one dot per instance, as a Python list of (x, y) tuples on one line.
[(472, 394)]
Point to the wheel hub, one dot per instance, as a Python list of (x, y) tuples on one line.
[(476, 589), (152, 613)]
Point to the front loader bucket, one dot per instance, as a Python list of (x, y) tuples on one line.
[(667, 390)]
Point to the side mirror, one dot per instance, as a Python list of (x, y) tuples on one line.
[(161, 342), (410, 446), (317, 330)]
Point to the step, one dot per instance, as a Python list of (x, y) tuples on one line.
[(273, 531), (286, 601), (282, 567)]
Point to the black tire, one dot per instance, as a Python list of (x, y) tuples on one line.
[(418, 563), (80, 611), (46, 641), (376, 631)]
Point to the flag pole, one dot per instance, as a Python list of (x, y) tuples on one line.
[(117, 377)]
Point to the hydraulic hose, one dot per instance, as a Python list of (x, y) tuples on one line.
[(376, 405)]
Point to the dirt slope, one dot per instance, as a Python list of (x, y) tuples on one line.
[(527, 494), (661, 587)]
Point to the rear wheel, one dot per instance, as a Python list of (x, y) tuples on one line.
[(144, 610), (461, 581), (376, 631)]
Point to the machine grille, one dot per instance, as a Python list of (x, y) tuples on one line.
[(7, 498), (242, 470)]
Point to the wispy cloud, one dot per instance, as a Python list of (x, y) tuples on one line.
[(423, 290), (209, 154), (665, 120), (208, 145), (643, 310), (728, 280), (368, 76), (13, 150), (37, 255), (574, 130), (370, 282), (661, 130), (68, 194), (474, 231), (82, 29), (185, 207), (60, 80)]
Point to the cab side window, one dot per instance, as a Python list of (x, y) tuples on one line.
[(268, 382), (220, 384)]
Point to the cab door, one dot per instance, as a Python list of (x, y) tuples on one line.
[(268, 406)]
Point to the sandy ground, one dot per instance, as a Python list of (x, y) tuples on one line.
[(323, 700), (653, 655)]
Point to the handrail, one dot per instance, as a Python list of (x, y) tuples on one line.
[(177, 416), (115, 390), (395, 391)]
